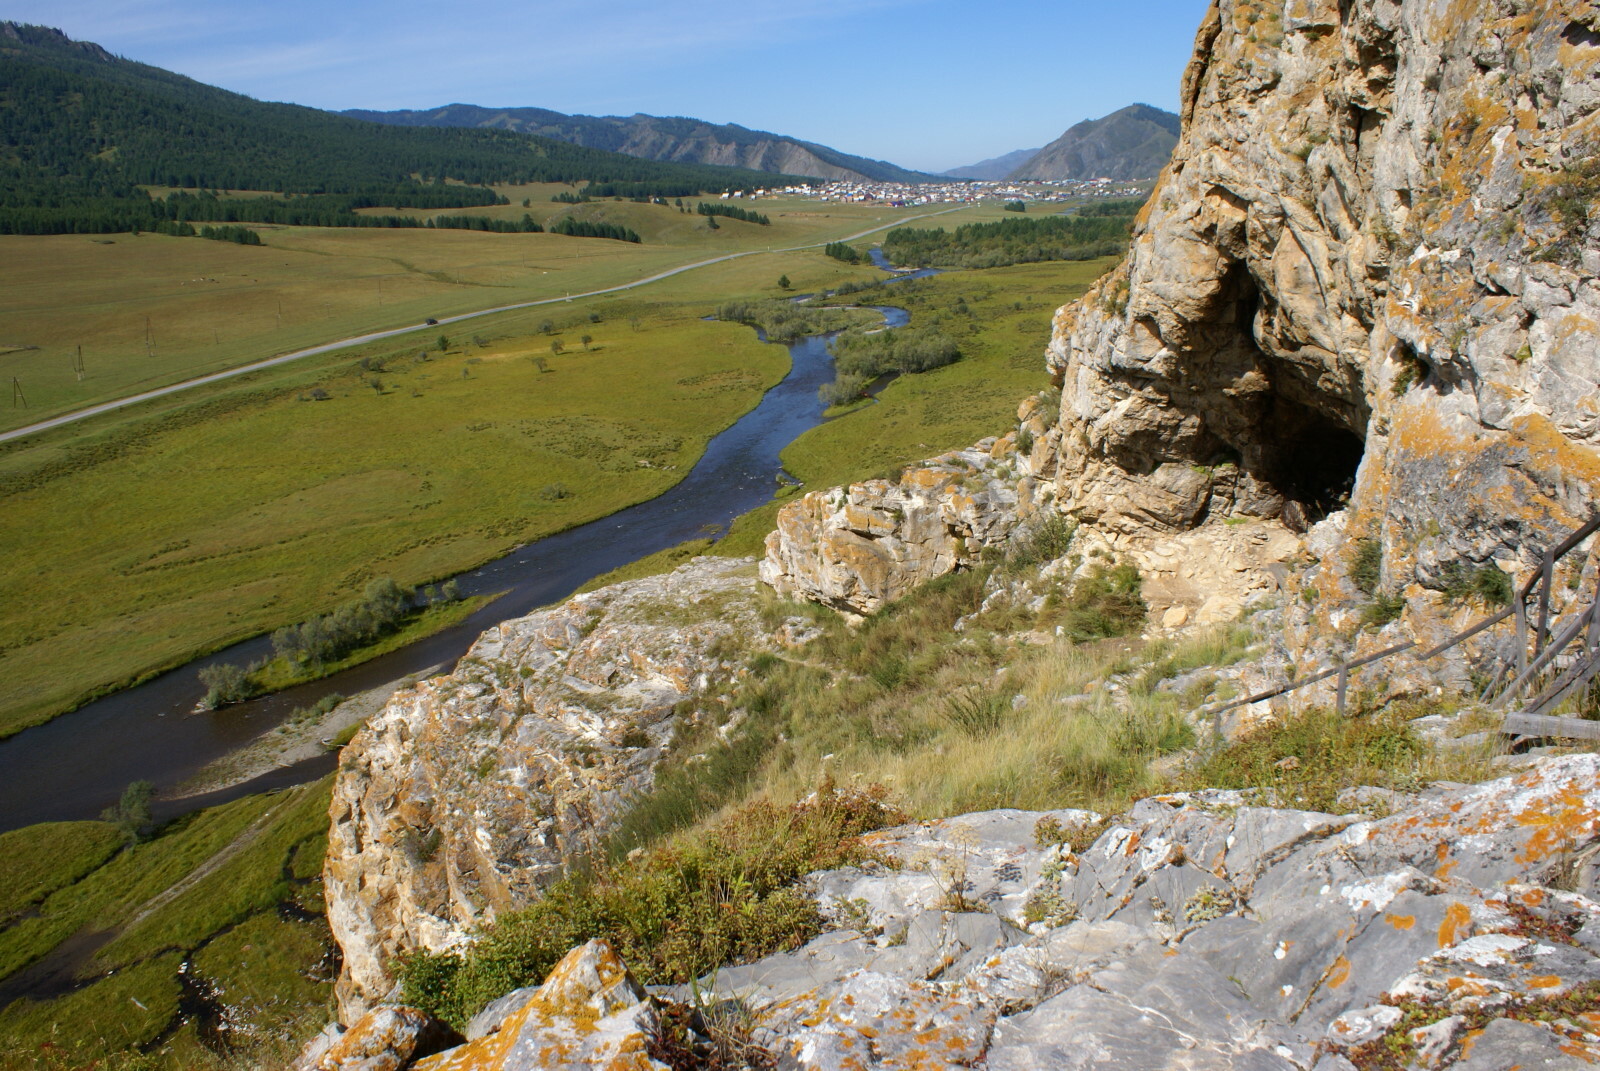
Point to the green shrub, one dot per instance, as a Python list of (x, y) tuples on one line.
[(1329, 753), (705, 898), (1487, 584)]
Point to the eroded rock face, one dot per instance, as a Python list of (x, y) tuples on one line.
[(468, 791), (1367, 271)]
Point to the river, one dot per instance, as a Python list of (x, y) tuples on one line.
[(78, 764)]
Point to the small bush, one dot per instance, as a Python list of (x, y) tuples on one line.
[(1366, 566), (1331, 753), (1105, 603)]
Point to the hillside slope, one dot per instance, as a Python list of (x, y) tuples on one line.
[(1131, 143), (653, 137)]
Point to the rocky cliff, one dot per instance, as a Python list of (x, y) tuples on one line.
[(469, 791), (1360, 306), (1363, 293)]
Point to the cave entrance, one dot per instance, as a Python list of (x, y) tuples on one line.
[(1310, 459)]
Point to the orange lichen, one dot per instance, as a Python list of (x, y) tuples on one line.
[(1456, 925), (1339, 973), (1401, 922)]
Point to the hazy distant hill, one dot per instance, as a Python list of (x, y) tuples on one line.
[(994, 168), (1132, 143), (652, 137), (84, 129)]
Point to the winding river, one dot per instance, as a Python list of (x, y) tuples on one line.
[(78, 764)]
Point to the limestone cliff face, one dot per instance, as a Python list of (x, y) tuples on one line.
[(1365, 286), (470, 790)]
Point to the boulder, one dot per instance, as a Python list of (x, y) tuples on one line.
[(589, 1013)]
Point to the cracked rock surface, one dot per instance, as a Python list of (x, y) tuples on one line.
[(1203, 931)]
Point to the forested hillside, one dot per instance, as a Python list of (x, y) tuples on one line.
[(83, 129)]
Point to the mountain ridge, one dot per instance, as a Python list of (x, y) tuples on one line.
[(994, 168), (1130, 143), (678, 139)]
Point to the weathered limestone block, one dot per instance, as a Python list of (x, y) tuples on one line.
[(1200, 930), (468, 791), (858, 547), (388, 1038)]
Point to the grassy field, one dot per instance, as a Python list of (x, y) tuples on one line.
[(235, 891), (149, 309)]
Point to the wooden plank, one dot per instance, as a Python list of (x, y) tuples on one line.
[(1544, 725), (1576, 677)]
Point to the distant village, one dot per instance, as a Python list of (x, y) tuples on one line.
[(957, 191)]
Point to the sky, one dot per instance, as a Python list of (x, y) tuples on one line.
[(927, 84)]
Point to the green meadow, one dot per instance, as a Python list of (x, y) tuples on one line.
[(148, 309)]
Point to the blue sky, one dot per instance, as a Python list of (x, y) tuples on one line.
[(929, 84)]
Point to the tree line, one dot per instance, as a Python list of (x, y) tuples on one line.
[(843, 251), (1084, 236), (383, 608), (717, 208)]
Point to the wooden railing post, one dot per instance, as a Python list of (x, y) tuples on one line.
[(1339, 693), (1546, 574), (1520, 606)]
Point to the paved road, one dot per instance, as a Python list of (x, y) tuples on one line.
[(199, 381)]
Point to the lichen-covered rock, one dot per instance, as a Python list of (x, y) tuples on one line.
[(589, 1015), (388, 1038), (469, 790), (1366, 283), (855, 548), (1202, 931)]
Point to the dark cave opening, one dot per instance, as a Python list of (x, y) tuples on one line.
[(1308, 458)]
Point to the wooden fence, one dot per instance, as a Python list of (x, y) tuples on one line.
[(1582, 665)]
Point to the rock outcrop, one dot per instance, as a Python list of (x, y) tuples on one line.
[(470, 790), (1364, 287), (1200, 931)]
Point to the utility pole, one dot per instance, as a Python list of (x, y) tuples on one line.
[(77, 364), (149, 339), (16, 394)]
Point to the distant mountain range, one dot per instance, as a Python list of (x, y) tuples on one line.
[(993, 169), (653, 137), (1131, 143)]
